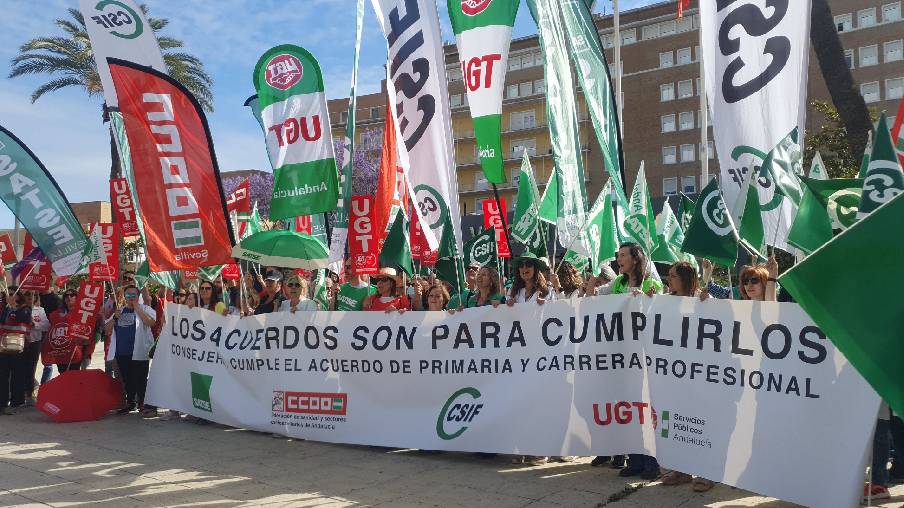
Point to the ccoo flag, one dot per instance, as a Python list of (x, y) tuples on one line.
[(182, 207), (711, 233), (296, 124), (483, 33)]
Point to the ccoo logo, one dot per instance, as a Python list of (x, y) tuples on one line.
[(474, 7), (284, 71)]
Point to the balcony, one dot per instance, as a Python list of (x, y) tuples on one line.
[(510, 158)]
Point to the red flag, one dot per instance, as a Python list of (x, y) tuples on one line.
[(176, 175), (897, 133), (83, 316), (123, 208), (231, 272), (362, 240), (493, 218), (391, 190), (303, 224), (7, 252), (108, 270), (190, 275), (36, 273), (683, 4), (240, 199)]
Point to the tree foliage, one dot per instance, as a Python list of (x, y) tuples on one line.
[(831, 140)]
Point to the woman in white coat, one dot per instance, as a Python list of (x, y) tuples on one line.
[(130, 328)]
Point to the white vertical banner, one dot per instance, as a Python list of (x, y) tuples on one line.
[(416, 70), (118, 29), (755, 56)]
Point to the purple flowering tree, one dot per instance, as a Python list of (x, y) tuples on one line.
[(366, 163), (261, 185)]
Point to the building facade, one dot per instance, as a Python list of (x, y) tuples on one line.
[(660, 93)]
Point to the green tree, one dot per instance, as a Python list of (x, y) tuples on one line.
[(69, 60), (832, 141)]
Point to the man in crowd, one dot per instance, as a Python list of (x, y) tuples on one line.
[(351, 295), (459, 300), (271, 296)]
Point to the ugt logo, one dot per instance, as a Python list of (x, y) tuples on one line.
[(474, 7), (200, 391), (118, 16), (458, 411), (284, 71)]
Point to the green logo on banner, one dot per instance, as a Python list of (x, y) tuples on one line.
[(121, 16), (715, 215), (200, 391), (458, 411), (842, 207)]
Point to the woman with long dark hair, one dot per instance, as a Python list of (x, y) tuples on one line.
[(209, 295), (530, 284)]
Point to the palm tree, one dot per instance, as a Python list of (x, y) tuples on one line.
[(70, 60)]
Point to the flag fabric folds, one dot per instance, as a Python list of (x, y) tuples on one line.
[(827, 206), (711, 233), (884, 178), (526, 226)]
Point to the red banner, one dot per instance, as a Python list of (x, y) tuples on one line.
[(240, 199), (37, 274), (362, 241), (7, 252), (303, 224), (83, 316), (176, 174), (108, 270), (231, 272), (123, 208), (190, 275), (493, 218)]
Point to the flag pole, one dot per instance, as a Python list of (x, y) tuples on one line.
[(616, 54), (704, 116)]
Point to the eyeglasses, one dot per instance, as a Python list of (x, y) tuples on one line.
[(179, 295), (206, 288), (131, 296), (293, 285), (752, 280)]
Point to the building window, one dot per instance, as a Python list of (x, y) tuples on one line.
[(668, 123), (891, 12), (849, 57), (520, 120), (844, 22), (539, 86), (688, 153), (710, 150), (650, 32), (669, 186), (375, 112), (698, 86), (526, 89), (527, 60), (893, 50), (667, 28), (511, 91), (870, 91), (685, 24), (343, 117), (689, 184), (684, 56), (608, 41), (686, 120), (514, 63), (464, 208), (667, 92), (669, 155), (685, 89), (869, 55), (894, 89), (455, 100), (629, 36), (666, 59), (453, 73), (519, 146), (866, 17)]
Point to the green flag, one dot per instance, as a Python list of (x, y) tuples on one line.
[(818, 169), (396, 250), (641, 221), (686, 207), (320, 292), (254, 224), (549, 203), (884, 179), (669, 237), (578, 261), (92, 251), (864, 162), (526, 226), (711, 233), (783, 166), (166, 279), (827, 206), (483, 34), (601, 229), (749, 218), (210, 273), (296, 124), (481, 249), (865, 325)]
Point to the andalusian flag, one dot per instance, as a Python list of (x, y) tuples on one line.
[(818, 169), (856, 307), (601, 229), (526, 226), (483, 33), (827, 206), (711, 234), (641, 221), (884, 179), (783, 166)]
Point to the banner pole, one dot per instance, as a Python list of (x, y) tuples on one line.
[(616, 55), (18, 286), (704, 118)]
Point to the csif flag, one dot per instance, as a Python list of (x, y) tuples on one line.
[(296, 124), (884, 178), (601, 229), (827, 206), (175, 170), (669, 237), (818, 169), (481, 249), (396, 250), (711, 233), (526, 225), (483, 34), (749, 218), (641, 222)]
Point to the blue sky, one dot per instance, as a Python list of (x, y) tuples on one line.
[(64, 129)]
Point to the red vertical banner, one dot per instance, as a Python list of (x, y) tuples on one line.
[(231, 272), (7, 252), (492, 218), (416, 237), (123, 207), (304, 225), (240, 199), (37, 273), (83, 317), (362, 238), (177, 180), (108, 269)]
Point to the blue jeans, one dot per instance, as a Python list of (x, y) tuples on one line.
[(881, 448), (47, 373)]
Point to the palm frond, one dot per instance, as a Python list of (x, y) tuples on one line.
[(169, 43), (77, 16), (53, 86)]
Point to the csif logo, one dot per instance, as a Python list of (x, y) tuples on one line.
[(459, 409), (284, 71), (115, 16), (474, 7), (200, 391)]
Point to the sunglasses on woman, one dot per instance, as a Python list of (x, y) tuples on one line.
[(752, 280), (293, 285), (206, 288)]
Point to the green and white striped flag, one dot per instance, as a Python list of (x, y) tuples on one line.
[(818, 168), (669, 237), (483, 33), (641, 222), (884, 179), (526, 225), (92, 251)]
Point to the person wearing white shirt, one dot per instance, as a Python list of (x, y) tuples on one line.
[(297, 290), (530, 284)]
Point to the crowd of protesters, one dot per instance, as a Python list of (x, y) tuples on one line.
[(132, 318)]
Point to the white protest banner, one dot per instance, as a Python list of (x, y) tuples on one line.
[(750, 394), (755, 55)]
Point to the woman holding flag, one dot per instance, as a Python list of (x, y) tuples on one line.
[(131, 340), (386, 298), (488, 290), (60, 348)]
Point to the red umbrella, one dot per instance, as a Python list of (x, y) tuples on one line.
[(79, 396)]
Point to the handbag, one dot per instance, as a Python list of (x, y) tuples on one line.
[(12, 343)]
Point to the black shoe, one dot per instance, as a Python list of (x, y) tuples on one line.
[(618, 461), (127, 409), (650, 474), (630, 471), (599, 460)]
